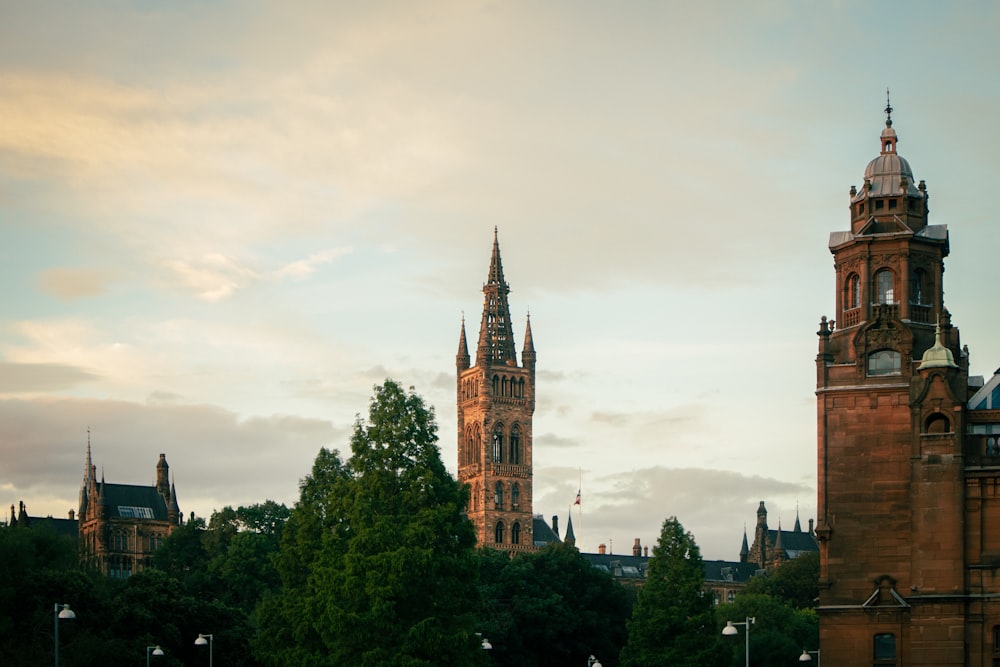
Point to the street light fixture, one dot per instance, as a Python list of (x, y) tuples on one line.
[(61, 611), (593, 662), (805, 657), (205, 639), (487, 646), (156, 650), (731, 630)]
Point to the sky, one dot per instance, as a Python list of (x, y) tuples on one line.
[(222, 223)]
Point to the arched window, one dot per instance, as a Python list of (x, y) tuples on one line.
[(496, 385), (470, 447), (498, 533), (515, 496), (884, 649), (498, 443), (883, 362), (885, 287), (515, 444), (477, 446), (515, 533), (520, 388), (852, 292), (918, 285), (477, 495), (498, 496)]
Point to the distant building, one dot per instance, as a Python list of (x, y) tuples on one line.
[(121, 525), (118, 526), (496, 401)]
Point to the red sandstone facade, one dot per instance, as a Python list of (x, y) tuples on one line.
[(908, 476), (496, 402)]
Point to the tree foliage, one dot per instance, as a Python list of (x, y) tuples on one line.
[(673, 622), (796, 582), (377, 562), (550, 608), (779, 632)]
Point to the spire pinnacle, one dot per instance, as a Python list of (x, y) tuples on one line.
[(496, 337), (888, 109)]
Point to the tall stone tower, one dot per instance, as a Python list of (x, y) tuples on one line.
[(496, 401), (891, 386)]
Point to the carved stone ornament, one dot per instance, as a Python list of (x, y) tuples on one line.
[(886, 335)]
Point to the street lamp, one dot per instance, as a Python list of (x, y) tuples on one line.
[(593, 662), (487, 646), (64, 612), (156, 650), (205, 639), (731, 630), (805, 657)]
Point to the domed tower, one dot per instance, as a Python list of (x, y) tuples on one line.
[(891, 385), (496, 402)]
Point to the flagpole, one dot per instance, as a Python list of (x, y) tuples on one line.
[(579, 511)]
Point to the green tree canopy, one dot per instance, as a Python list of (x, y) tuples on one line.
[(551, 608), (796, 582), (673, 622), (377, 561)]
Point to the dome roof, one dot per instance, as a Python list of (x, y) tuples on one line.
[(887, 172)]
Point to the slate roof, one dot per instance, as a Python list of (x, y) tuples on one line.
[(794, 543), (619, 565), (542, 533), (728, 571), (64, 527), (120, 496)]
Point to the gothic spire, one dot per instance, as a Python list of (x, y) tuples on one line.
[(496, 337), (462, 358)]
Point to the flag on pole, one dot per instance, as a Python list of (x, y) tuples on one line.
[(577, 501)]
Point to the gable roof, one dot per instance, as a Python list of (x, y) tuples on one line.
[(128, 501)]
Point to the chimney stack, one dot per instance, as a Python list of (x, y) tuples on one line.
[(636, 548), (602, 549)]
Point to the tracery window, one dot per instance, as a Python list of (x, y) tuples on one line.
[(515, 533), (498, 443), (515, 495), (515, 445), (498, 533), (498, 495)]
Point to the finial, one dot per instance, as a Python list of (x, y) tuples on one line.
[(888, 110)]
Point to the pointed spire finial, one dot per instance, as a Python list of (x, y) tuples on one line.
[(888, 109)]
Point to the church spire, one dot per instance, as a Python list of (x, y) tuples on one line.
[(496, 336), (462, 357)]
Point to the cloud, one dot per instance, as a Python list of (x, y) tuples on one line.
[(215, 457), (42, 377), (713, 504), (70, 284)]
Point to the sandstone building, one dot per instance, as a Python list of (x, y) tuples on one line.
[(496, 402), (908, 460)]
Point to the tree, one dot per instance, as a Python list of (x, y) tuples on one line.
[(796, 582), (779, 633), (377, 561), (550, 608), (673, 622)]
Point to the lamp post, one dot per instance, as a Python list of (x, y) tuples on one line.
[(805, 657), (205, 639), (156, 650), (731, 630), (64, 612), (487, 646), (593, 662)]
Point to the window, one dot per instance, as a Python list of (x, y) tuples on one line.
[(515, 445), (498, 533), (515, 496), (498, 444), (883, 362), (884, 649), (498, 496), (996, 646), (852, 291), (917, 282), (515, 533), (884, 283)]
